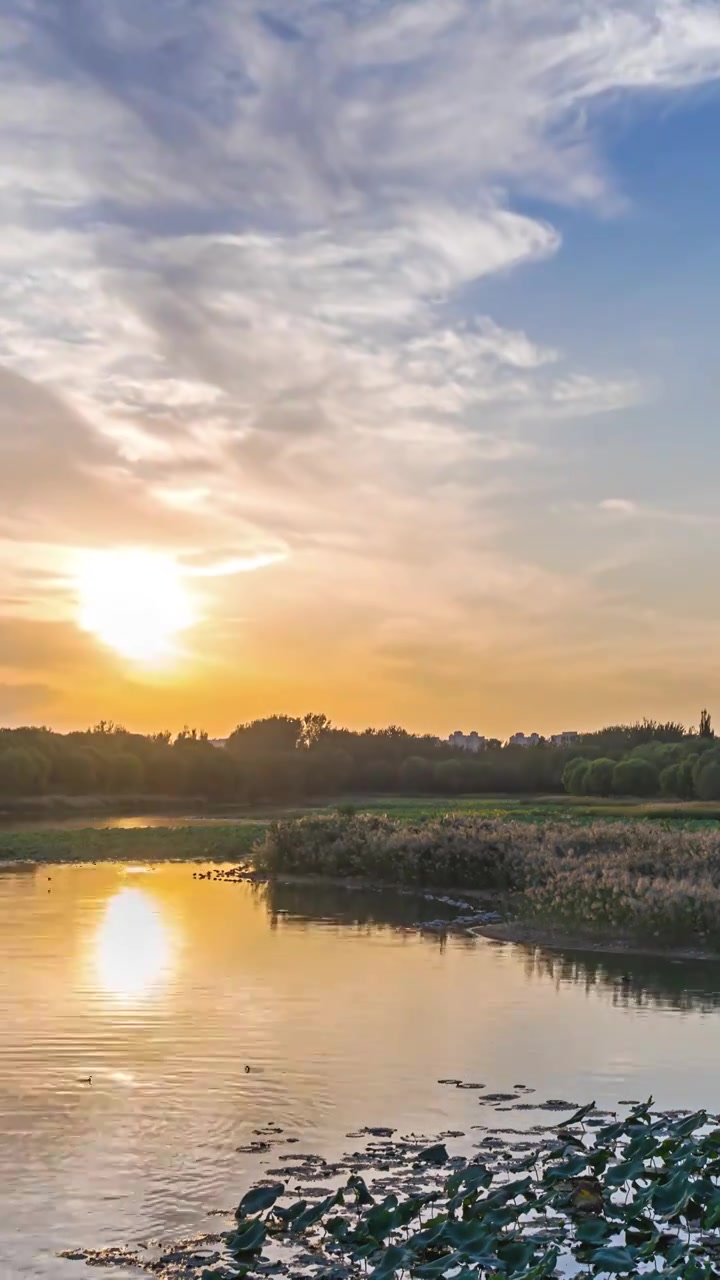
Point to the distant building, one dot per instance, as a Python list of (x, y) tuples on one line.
[(567, 738), (467, 741), (524, 740)]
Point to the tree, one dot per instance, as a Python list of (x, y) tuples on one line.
[(708, 784), (378, 773), (328, 770), (80, 771), (573, 776), (125, 773), (598, 779), (416, 774), (187, 734), (274, 733), (635, 777), (706, 729), (449, 776), (313, 728), (706, 776), (670, 782), (21, 772)]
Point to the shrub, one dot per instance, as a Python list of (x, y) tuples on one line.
[(634, 877)]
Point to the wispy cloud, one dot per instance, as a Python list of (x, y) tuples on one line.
[(626, 509), (238, 277)]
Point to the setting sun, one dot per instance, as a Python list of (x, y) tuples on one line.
[(133, 601)]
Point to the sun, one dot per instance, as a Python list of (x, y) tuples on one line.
[(136, 602)]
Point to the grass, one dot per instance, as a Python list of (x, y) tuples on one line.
[(637, 880), (529, 808), (137, 844)]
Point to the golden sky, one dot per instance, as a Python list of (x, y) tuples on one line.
[(358, 359)]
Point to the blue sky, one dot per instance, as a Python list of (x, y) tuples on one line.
[(394, 325)]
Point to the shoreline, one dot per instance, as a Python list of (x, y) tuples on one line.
[(519, 933), (509, 932)]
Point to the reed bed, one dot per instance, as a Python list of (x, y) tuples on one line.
[(628, 877)]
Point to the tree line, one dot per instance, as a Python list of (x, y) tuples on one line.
[(686, 767), (285, 758)]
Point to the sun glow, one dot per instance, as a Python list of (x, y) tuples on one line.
[(135, 602), (133, 946)]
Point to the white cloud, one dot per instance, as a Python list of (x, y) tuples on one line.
[(243, 244), (627, 509), (619, 506), (580, 394)]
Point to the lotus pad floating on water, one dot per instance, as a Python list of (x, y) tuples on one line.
[(635, 1196), (628, 1196)]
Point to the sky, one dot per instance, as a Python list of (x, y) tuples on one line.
[(359, 357)]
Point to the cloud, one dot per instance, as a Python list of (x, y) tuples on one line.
[(580, 395), (242, 307), (619, 506), (17, 700), (627, 509)]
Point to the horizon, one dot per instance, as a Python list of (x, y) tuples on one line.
[(359, 357), (442, 736)]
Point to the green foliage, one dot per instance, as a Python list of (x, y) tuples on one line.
[(22, 771), (136, 844), (598, 778), (276, 734), (706, 776), (449, 777), (651, 1204), (125, 774), (574, 775), (635, 777), (258, 1199), (635, 879), (416, 774), (285, 759)]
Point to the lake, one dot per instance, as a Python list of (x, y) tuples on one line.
[(163, 988)]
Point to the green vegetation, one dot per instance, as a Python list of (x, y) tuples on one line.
[(635, 880), (595, 1199), (293, 760), (647, 760), (150, 844)]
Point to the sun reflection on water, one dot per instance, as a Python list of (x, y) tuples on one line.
[(134, 946)]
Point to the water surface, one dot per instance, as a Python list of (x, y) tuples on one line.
[(163, 988)]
